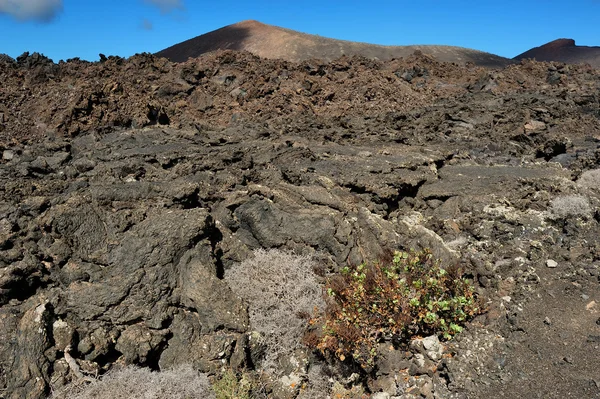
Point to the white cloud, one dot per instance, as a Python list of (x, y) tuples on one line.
[(167, 5), (31, 10)]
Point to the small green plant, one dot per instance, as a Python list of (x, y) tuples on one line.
[(229, 386), (411, 294), (355, 392), (243, 385)]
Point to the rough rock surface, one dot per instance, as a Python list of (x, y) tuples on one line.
[(127, 188)]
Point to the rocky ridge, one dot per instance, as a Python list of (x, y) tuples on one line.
[(130, 187)]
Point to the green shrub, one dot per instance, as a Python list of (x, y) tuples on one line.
[(406, 296)]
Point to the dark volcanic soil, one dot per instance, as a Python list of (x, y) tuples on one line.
[(128, 187), (564, 50), (273, 42)]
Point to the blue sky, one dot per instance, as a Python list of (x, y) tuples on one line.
[(63, 29)]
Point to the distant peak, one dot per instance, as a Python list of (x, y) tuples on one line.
[(249, 23), (275, 42), (560, 43)]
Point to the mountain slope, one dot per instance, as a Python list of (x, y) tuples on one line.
[(564, 50), (269, 41)]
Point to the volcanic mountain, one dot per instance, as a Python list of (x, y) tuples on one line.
[(564, 50), (273, 42)]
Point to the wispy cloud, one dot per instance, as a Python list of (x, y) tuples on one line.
[(31, 10), (167, 5), (147, 24)]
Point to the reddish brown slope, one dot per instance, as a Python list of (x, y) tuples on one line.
[(278, 43), (564, 50)]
